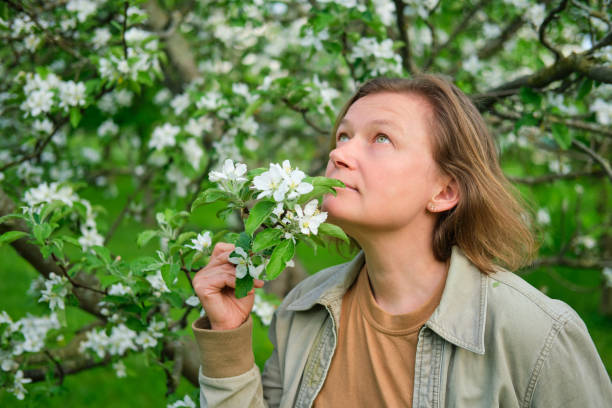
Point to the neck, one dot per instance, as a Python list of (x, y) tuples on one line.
[(403, 271)]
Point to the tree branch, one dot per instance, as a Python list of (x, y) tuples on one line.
[(602, 162), (304, 112), (495, 45), (407, 61), (547, 178), (458, 29), (542, 31)]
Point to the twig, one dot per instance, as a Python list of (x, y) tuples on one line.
[(58, 366), (75, 284), (304, 111), (40, 146), (403, 32), (542, 31), (603, 162), (125, 48), (124, 210), (459, 28), (547, 178)]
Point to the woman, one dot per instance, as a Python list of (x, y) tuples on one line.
[(423, 316)]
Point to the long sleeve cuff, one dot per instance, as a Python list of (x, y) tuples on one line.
[(224, 353)]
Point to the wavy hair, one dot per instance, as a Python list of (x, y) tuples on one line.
[(491, 222)]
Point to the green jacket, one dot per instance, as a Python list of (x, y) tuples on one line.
[(492, 341)]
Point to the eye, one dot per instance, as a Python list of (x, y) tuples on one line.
[(341, 135), (380, 136)]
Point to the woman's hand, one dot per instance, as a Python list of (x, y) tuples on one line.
[(215, 283)]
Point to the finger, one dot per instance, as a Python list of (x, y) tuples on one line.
[(221, 257), (258, 283), (222, 247)]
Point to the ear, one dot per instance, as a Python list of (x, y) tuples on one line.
[(447, 196)]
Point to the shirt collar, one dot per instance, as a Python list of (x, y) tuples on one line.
[(459, 318)]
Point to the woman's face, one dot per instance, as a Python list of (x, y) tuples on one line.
[(383, 150)]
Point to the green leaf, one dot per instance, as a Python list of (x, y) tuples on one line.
[(324, 182), (526, 120), (267, 238), (7, 217), (585, 88), (529, 96), (244, 241), (224, 212), (280, 256), (42, 231), (103, 253), (145, 236), (174, 298), (562, 135), (243, 286), (11, 236), (333, 231), (256, 172), (75, 117), (170, 272), (258, 214), (210, 195), (185, 236)]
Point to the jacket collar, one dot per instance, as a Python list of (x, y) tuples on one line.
[(459, 318)]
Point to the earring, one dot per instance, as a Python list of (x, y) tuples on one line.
[(432, 207)]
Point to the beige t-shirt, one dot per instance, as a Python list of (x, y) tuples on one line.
[(373, 365)]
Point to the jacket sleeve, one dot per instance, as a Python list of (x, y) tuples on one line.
[(572, 373), (228, 375)]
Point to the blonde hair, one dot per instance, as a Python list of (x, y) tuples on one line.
[(490, 223)]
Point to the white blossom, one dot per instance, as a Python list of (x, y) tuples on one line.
[(108, 128), (145, 340), (121, 340), (543, 216), (118, 289), (31, 42), (210, 101), (263, 309), (310, 219), (44, 125), (164, 136), (193, 152), (37, 102), (71, 94), (271, 183), (244, 264), (185, 402), (56, 289), (119, 368), (101, 37), (196, 127), (231, 176), (96, 341), (90, 237), (192, 301), (202, 242), (18, 389), (179, 103), (83, 8), (158, 284), (46, 193)]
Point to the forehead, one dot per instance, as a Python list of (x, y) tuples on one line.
[(399, 109)]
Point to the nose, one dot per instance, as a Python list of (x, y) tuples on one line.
[(342, 156)]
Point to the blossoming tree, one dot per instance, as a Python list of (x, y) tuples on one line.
[(166, 105)]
